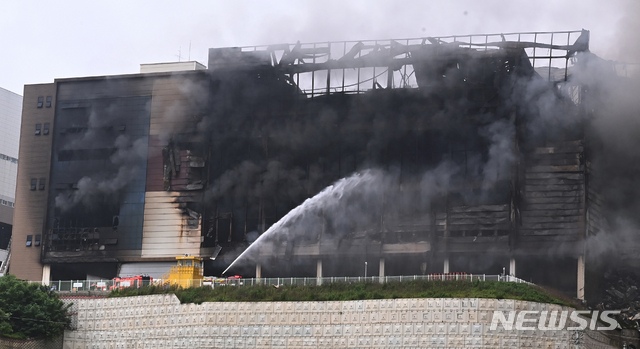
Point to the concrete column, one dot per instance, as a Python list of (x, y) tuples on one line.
[(319, 271), (258, 271), (446, 265), (581, 276), (381, 270), (46, 274), (512, 267)]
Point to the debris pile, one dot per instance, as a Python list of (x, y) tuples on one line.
[(621, 293)]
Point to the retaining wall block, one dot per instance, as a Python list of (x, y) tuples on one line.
[(372, 305)]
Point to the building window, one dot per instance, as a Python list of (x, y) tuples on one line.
[(37, 242), (42, 182), (45, 130), (34, 183), (29, 240), (40, 101), (38, 129), (48, 105)]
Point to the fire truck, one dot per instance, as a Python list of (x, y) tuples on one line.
[(134, 281)]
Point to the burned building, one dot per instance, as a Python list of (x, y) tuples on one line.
[(477, 143)]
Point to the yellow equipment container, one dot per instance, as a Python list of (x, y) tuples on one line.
[(187, 272)]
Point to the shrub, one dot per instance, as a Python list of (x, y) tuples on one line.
[(30, 310), (353, 291)]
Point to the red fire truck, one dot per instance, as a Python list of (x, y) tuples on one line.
[(134, 281)]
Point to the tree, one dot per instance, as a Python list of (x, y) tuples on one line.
[(30, 310)]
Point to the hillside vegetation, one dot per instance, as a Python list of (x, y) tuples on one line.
[(30, 310), (354, 291)]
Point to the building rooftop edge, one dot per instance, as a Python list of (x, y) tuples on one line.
[(17, 94), (118, 76)]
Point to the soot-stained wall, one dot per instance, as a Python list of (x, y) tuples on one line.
[(98, 174)]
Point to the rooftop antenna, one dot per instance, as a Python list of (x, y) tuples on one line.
[(179, 55), (189, 50)]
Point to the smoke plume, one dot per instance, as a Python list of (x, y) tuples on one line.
[(128, 159)]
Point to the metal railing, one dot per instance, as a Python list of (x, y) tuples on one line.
[(108, 285)]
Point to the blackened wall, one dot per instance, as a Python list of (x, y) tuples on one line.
[(91, 136)]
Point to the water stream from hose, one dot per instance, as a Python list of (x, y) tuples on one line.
[(328, 198)]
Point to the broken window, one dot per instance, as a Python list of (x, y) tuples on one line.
[(34, 183), (42, 183), (38, 129), (45, 131), (40, 101), (29, 240), (48, 105)]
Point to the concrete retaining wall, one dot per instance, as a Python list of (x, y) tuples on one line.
[(160, 321), (8, 343)]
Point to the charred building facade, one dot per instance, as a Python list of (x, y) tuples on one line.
[(478, 145)]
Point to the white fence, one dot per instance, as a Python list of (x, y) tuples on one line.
[(107, 285)]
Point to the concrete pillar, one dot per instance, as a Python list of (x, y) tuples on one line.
[(46, 274), (319, 271), (581, 276), (512, 267), (258, 271), (381, 270), (446, 265)]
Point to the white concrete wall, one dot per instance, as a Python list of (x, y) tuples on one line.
[(10, 116), (160, 321)]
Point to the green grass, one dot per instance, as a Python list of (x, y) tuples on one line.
[(354, 291)]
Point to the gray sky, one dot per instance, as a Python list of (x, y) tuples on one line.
[(43, 40)]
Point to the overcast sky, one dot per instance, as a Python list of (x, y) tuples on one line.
[(44, 40)]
